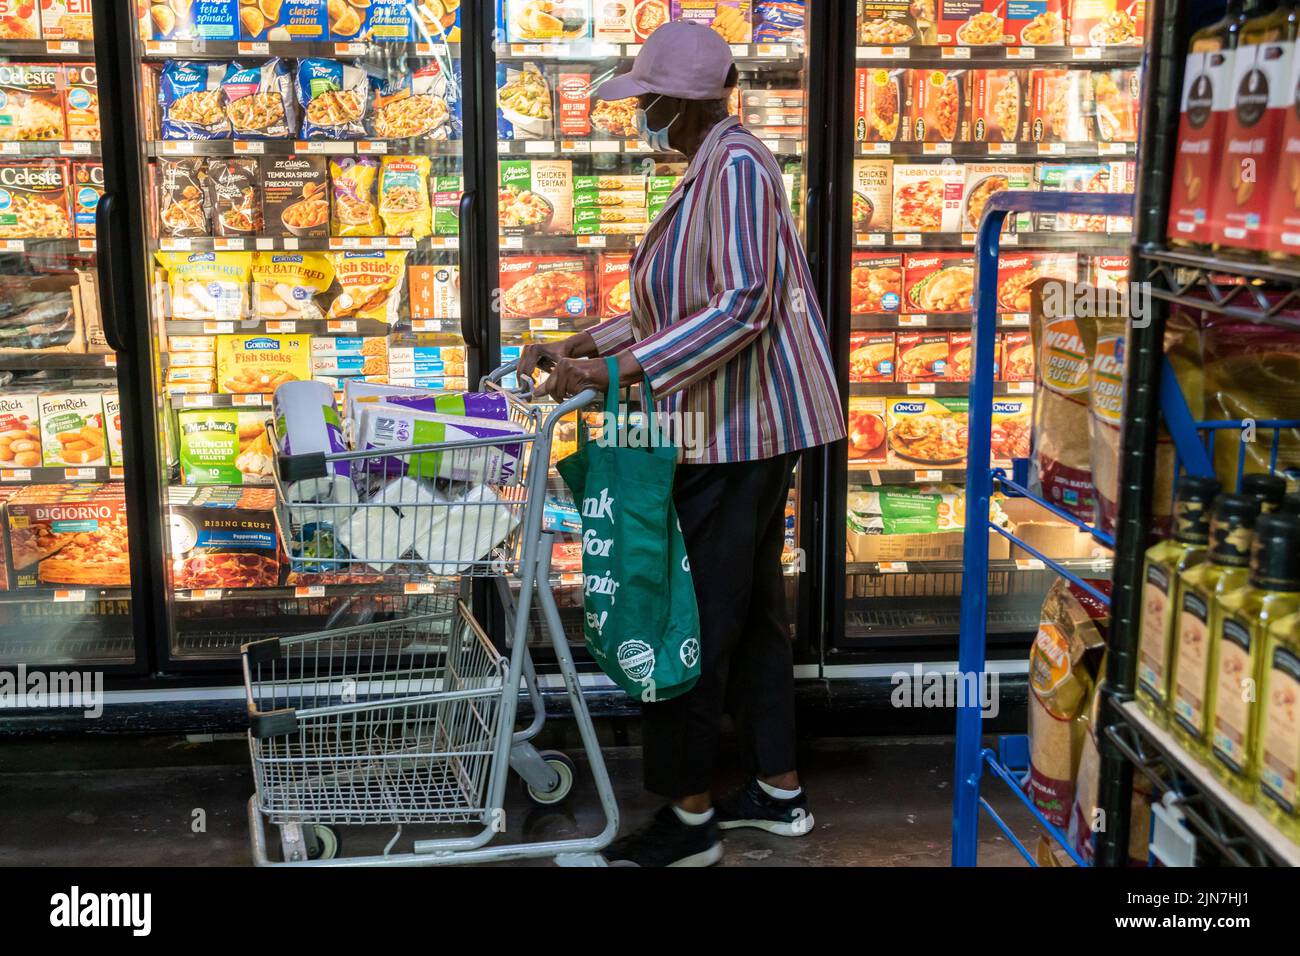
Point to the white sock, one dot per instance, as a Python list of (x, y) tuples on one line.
[(776, 793), (693, 819)]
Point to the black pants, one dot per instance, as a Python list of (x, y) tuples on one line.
[(733, 520)]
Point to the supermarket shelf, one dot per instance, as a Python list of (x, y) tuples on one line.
[(779, 145), (567, 243), (48, 360), (1082, 241), (313, 327), (996, 151), (1000, 56), (931, 320), (75, 595), (66, 247), (409, 587), (40, 49), (171, 148), (580, 50), (225, 50), (864, 474), (51, 148), (181, 400), (292, 244), (872, 620), (937, 389), (1238, 287), (1234, 827), (1091, 566), (51, 476)]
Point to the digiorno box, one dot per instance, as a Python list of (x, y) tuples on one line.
[(68, 535), (258, 364), (872, 195)]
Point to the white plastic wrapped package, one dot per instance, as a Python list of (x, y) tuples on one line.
[(382, 425), (382, 530), (451, 538)]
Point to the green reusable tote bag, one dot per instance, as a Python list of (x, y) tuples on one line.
[(640, 620)]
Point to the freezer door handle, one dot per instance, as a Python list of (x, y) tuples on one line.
[(104, 230), (469, 327)]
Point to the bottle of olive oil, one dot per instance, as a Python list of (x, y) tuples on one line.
[(1230, 534), (1269, 490), (1239, 623), (1277, 747), (1164, 562)]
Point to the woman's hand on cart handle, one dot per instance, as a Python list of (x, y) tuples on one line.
[(545, 355), (573, 375)]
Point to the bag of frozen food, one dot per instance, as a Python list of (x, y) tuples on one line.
[(191, 101), (184, 202), (404, 205), (236, 187), (779, 22), (1063, 666), (259, 100), (371, 285), (353, 211), (415, 105), (334, 99), (289, 285), (209, 286)]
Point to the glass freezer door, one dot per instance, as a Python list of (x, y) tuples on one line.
[(303, 177), (577, 187), (65, 556)]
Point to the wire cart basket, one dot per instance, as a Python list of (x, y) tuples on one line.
[(412, 720)]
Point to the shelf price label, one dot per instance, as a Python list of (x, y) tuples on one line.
[(218, 328), (892, 567), (1020, 388), (1015, 318), (418, 587), (322, 146), (251, 400), (914, 319), (286, 328), (309, 591), (378, 146), (1086, 52), (872, 238), (248, 147), (110, 360), (116, 473), (920, 388), (254, 49), (955, 53), (62, 46), (1004, 149), (512, 242), (177, 147), (907, 238), (67, 596), (874, 149), (78, 474), (1021, 53), (574, 146), (604, 146), (968, 238), (771, 49), (206, 594), (1051, 149), (936, 149), (929, 474), (196, 401), (539, 146), (223, 243), (15, 474), (883, 52), (174, 245), (1113, 149), (571, 578), (349, 49), (591, 242), (10, 149), (1030, 564), (544, 325), (160, 48), (336, 326)]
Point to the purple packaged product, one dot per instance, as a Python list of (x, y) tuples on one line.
[(491, 405)]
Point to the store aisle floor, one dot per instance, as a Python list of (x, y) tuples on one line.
[(167, 801)]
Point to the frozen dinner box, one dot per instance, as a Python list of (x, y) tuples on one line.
[(64, 535), (223, 537)]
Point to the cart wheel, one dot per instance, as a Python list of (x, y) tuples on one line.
[(561, 764), (327, 843)]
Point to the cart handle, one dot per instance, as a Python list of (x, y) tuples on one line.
[(524, 385)]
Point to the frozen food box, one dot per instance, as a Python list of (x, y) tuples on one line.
[(1017, 271), (1060, 106), (67, 20), (528, 21), (873, 195), (383, 21), (1107, 22), (290, 19), (223, 537), (435, 292), (1115, 97), (545, 286), (372, 285), (921, 356), (72, 428), (34, 199), (31, 102), (1108, 272), (938, 281), (113, 426), (960, 358), (573, 104), (192, 20), (875, 283), (780, 22), (20, 430), (969, 22), (1071, 177), (928, 198), (1035, 22), (535, 196), (20, 19), (612, 21), (1017, 357), (866, 425), (871, 356), (934, 111), (730, 19), (614, 283), (223, 446), (985, 179), (879, 99), (85, 192), (62, 535), (525, 102), (648, 16), (1244, 209), (930, 432), (81, 103), (610, 220), (258, 364), (207, 286), (890, 23), (1012, 425), (445, 193), (295, 197), (998, 105)]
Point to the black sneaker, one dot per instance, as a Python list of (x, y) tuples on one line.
[(750, 806), (667, 841)]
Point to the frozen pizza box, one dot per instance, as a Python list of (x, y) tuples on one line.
[(875, 283), (295, 200), (192, 20), (938, 281), (872, 356), (879, 100), (985, 179), (81, 102), (68, 536), (20, 20), (535, 196), (31, 102), (545, 287), (997, 105), (890, 23), (1107, 22), (67, 20), (34, 199), (1060, 106), (223, 537), (928, 197), (1017, 271), (935, 106), (292, 19), (85, 192), (866, 426), (872, 195), (969, 22)]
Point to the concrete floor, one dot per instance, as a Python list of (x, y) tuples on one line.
[(169, 801)]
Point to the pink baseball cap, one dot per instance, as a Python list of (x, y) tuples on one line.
[(682, 59)]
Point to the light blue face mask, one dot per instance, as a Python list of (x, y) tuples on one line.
[(656, 139)]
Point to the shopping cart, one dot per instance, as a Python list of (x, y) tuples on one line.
[(412, 721)]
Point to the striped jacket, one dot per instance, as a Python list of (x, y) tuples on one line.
[(724, 320)]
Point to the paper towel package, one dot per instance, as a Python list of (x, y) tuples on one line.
[(382, 531), (453, 537), (383, 425), (307, 422)]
